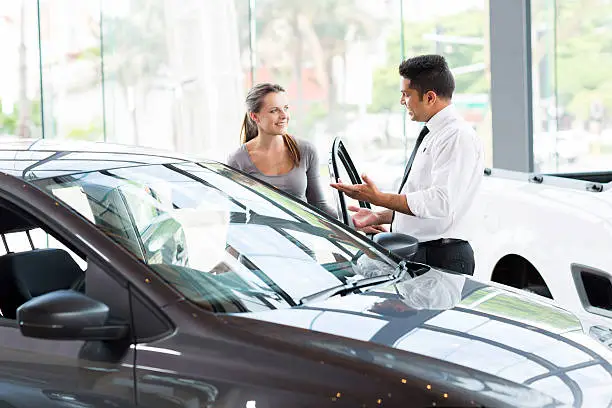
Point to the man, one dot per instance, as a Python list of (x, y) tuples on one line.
[(441, 176)]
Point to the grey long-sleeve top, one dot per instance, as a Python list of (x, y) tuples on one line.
[(303, 182)]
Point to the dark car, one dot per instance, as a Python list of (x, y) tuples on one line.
[(138, 278)]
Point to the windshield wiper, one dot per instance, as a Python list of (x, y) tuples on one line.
[(399, 274)]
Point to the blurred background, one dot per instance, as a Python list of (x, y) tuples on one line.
[(173, 74)]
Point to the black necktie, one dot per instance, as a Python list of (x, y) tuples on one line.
[(422, 135)]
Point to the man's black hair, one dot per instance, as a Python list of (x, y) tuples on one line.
[(429, 73)]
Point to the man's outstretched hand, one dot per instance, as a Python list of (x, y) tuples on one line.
[(367, 191)]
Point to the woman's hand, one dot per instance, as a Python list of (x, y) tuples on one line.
[(366, 220)]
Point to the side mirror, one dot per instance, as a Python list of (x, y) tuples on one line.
[(404, 246), (67, 315)]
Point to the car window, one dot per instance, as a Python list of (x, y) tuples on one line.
[(35, 238), (33, 262), (225, 240)]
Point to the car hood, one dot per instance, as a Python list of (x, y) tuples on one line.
[(481, 328)]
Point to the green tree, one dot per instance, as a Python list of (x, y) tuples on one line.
[(90, 132), (572, 55), (9, 123), (584, 55), (386, 92), (468, 23), (315, 33)]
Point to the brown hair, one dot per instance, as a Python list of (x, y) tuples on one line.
[(254, 100)]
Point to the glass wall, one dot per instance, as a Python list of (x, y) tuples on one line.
[(71, 70), (572, 85), (20, 91), (339, 61), (174, 75), (459, 30)]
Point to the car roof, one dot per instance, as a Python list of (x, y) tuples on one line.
[(31, 159)]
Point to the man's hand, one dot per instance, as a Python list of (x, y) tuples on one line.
[(366, 220), (366, 191)]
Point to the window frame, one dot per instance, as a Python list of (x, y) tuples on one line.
[(78, 234)]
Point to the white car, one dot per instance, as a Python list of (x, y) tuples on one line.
[(548, 235)]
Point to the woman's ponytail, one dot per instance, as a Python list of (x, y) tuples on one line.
[(248, 130)]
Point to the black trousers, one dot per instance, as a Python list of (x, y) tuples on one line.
[(453, 254)]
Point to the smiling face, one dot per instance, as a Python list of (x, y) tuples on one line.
[(419, 109), (273, 117)]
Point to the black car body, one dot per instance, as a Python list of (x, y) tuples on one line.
[(138, 278)]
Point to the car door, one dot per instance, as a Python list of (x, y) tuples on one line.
[(35, 260), (341, 167), (385, 169)]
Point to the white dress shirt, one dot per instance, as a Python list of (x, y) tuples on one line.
[(445, 175)]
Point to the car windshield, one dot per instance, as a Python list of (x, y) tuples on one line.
[(224, 240)]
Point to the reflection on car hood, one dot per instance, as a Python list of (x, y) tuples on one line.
[(460, 321)]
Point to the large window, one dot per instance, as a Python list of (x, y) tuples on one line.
[(339, 62), (459, 30), (572, 59), (155, 73), (71, 69), (173, 75), (20, 93)]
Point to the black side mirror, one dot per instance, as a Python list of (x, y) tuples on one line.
[(67, 315), (404, 246)]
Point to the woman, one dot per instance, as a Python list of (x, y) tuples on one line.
[(270, 154)]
